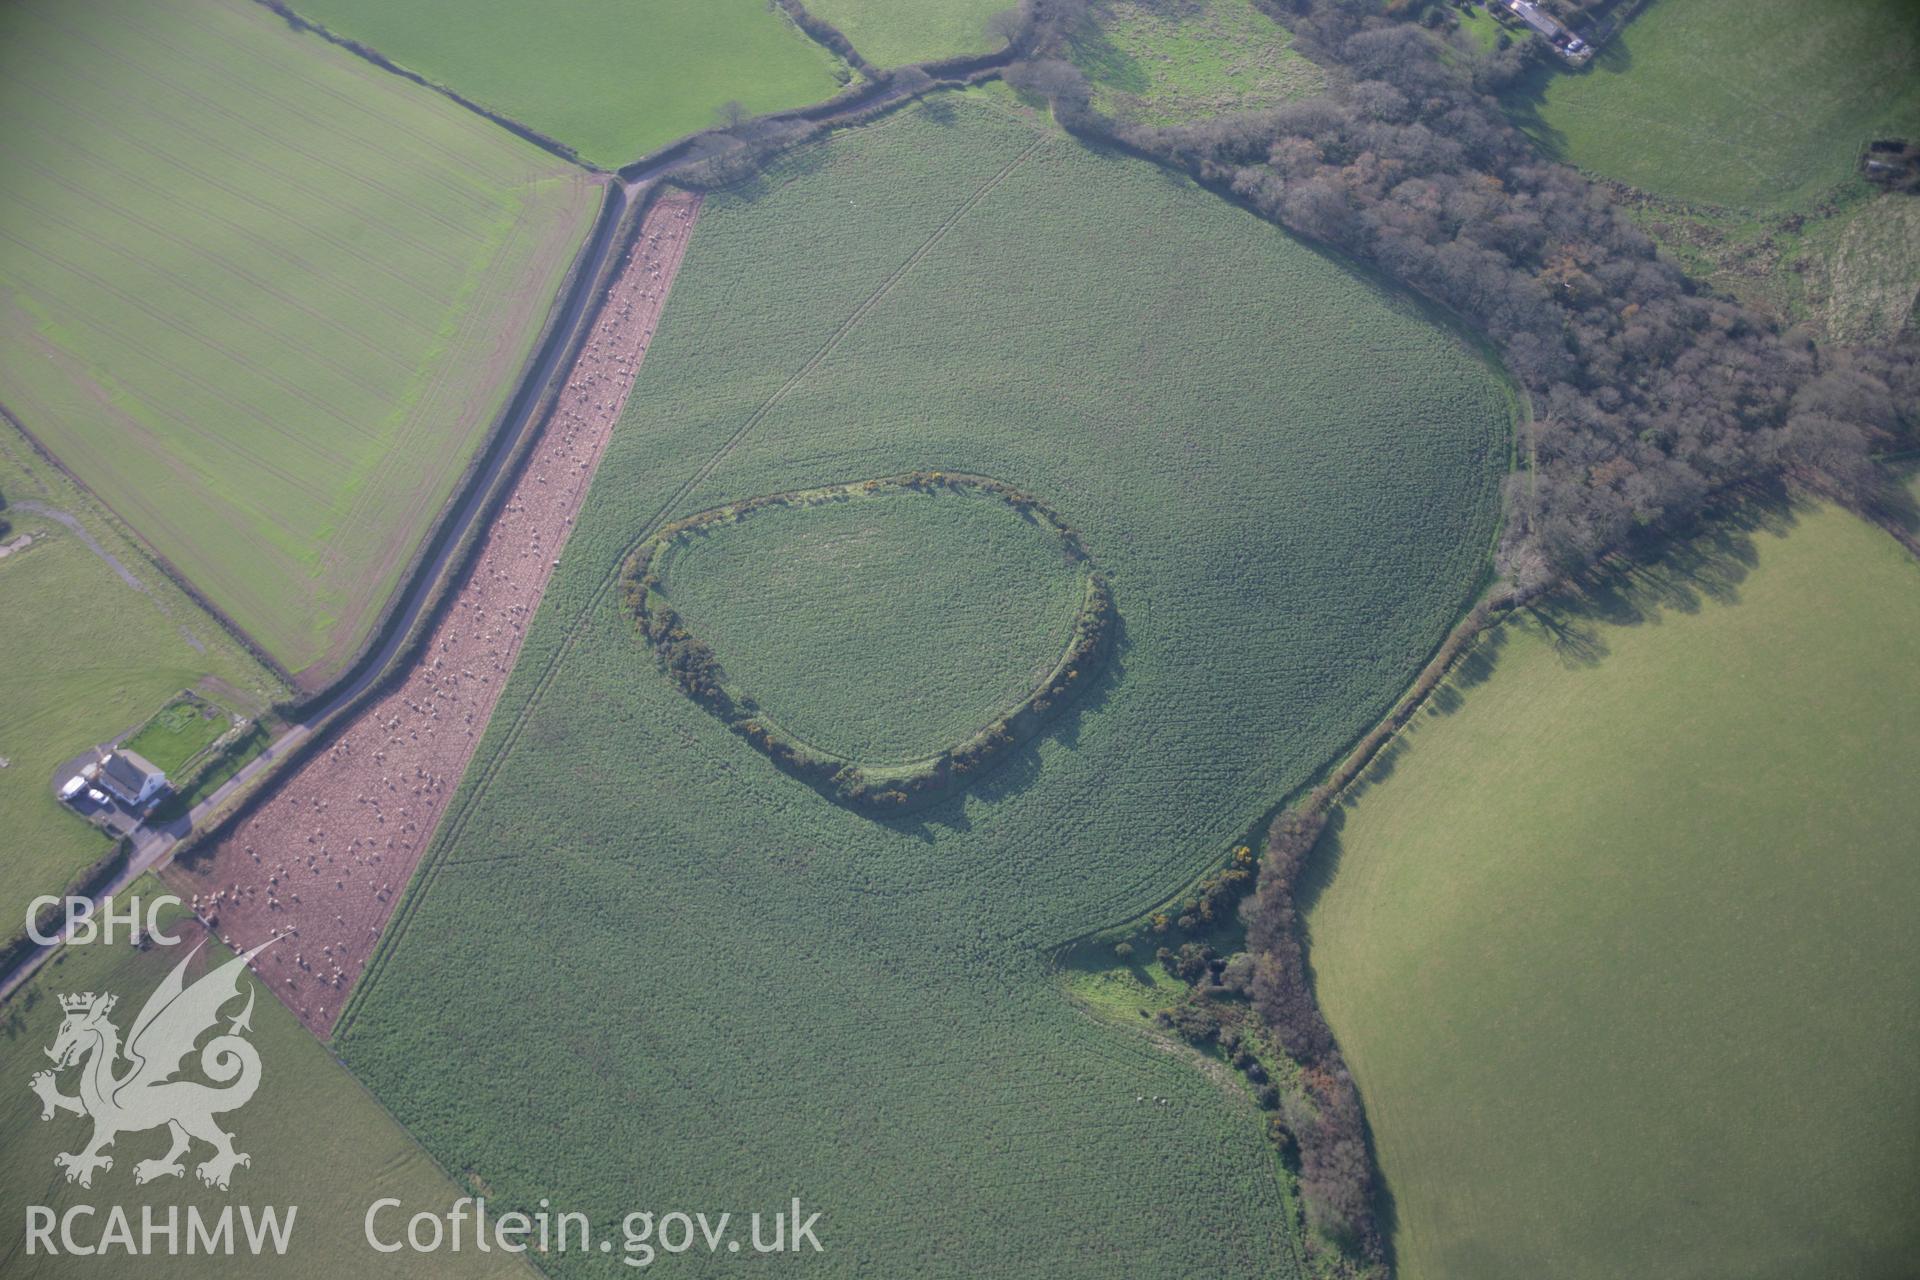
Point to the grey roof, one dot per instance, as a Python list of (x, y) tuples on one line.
[(1545, 23), (130, 769)]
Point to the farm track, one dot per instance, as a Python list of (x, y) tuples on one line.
[(491, 767), (327, 858)]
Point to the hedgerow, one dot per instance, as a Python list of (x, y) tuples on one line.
[(1289, 481), (893, 789)]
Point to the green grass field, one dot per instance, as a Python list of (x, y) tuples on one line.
[(753, 992), (1481, 27), (318, 1140), (613, 79), (881, 628), (262, 297), (1745, 103), (892, 33), (87, 656), (1620, 947), (182, 730), (1158, 64)]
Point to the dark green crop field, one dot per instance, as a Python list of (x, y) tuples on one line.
[(641, 966)]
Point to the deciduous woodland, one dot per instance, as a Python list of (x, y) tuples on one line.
[(1650, 395)]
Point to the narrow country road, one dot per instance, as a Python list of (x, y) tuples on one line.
[(151, 845)]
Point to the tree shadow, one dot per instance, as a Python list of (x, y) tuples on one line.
[(1575, 639), (1018, 769), (1679, 573), (1322, 865), (1525, 101), (938, 108), (1104, 62), (768, 176), (1896, 505), (1475, 668)]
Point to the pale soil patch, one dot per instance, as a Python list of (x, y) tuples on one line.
[(326, 858), (1872, 277)]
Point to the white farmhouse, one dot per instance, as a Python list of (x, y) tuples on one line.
[(131, 777)]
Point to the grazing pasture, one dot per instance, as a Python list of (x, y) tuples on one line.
[(613, 79), (1171, 64), (95, 641), (1619, 944), (891, 33), (1745, 103), (317, 1140), (718, 984), (262, 297)]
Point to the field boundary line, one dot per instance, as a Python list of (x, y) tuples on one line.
[(299, 22), (453, 824), (161, 564)]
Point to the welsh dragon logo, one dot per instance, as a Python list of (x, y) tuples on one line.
[(145, 1093)]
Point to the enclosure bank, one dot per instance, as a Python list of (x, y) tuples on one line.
[(85, 1230)]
